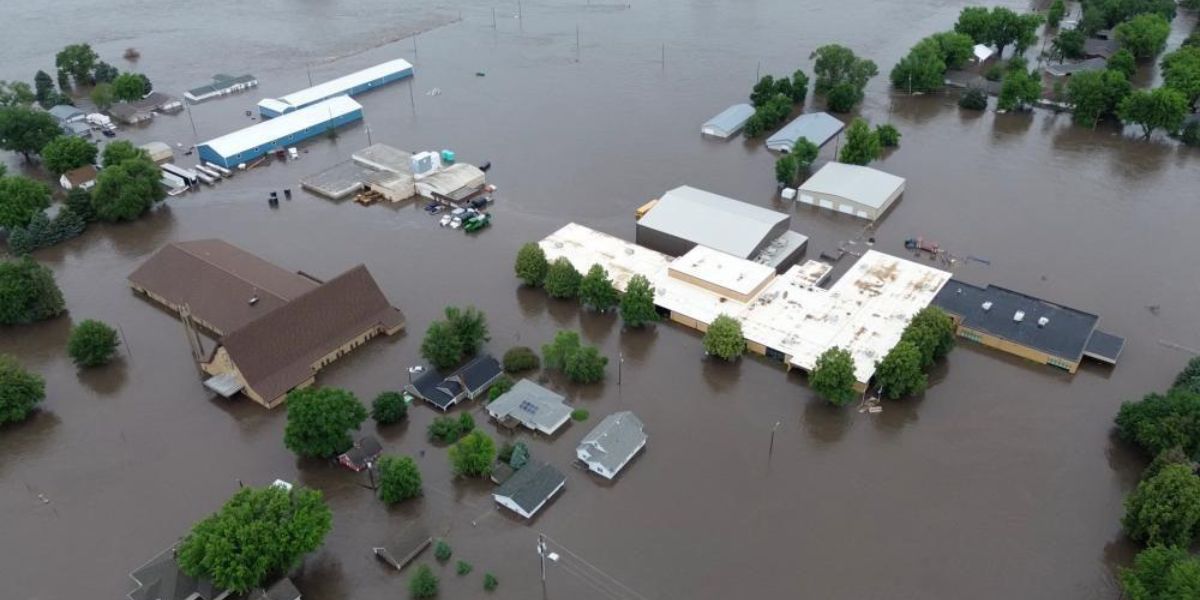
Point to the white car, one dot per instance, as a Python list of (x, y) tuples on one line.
[(456, 222), (446, 218)]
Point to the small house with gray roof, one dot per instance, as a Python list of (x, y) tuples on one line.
[(532, 406), (468, 382), (162, 579), (608, 447), (530, 488)]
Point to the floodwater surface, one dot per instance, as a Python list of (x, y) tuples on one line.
[(1002, 481)]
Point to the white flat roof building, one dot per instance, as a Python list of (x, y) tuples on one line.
[(852, 189), (729, 121), (788, 316)]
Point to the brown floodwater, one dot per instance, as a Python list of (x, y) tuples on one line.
[(1002, 481)]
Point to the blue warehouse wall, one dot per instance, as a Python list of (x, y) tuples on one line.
[(232, 161)]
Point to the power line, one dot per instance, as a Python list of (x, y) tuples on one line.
[(628, 591)]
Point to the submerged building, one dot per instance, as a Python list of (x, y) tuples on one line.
[(817, 128), (347, 85), (852, 189), (729, 121), (247, 144), (686, 217)]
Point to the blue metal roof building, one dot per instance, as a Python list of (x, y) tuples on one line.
[(347, 85), (817, 128), (247, 144), (729, 122)]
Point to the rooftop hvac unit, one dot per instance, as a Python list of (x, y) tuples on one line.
[(987, 305), (1042, 321), (1019, 316)]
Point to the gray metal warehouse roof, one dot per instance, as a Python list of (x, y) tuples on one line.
[(817, 128), (864, 185), (708, 219), (729, 121)]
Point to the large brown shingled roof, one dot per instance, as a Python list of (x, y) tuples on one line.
[(275, 353), (217, 280)]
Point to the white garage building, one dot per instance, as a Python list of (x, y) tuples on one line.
[(860, 191)]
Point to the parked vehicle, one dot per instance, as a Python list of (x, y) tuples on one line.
[(446, 219), (477, 222), (456, 222)]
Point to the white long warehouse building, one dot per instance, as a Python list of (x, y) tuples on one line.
[(346, 85), (249, 143)]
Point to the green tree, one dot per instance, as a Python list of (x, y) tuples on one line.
[(500, 387), (1055, 14), (424, 584), (1162, 573), (1096, 95), (556, 353), (976, 22), (596, 290), (121, 151), (1165, 508), (389, 408), (580, 414), (260, 534), (469, 326), (1189, 378), (466, 423), (799, 86), (1170, 456), (1123, 62), (127, 190), (637, 305), (841, 76), (805, 153), (921, 70), (531, 264), (862, 144), (1068, 44), (764, 89), (1181, 72), (399, 479), (20, 199), (20, 391), (724, 339), (442, 551), (973, 99), (129, 87), (92, 343), (1020, 89), (463, 567), (1007, 27), (932, 331), (521, 358), (472, 456), (786, 169), (28, 293), (445, 429), (77, 60), (79, 201), (1160, 422), (43, 90), (104, 73), (320, 419), (17, 93), (441, 347), (832, 378), (956, 48), (562, 280), (519, 456), (102, 96), (67, 152), (899, 374), (586, 365), (490, 582), (889, 136), (1144, 35), (1160, 108), (25, 130)]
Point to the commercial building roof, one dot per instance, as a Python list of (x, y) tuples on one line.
[(268, 131), (729, 121), (712, 220), (531, 487), (345, 82), (738, 276), (449, 180), (218, 280), (383, 157), (221, 83), (275, 352), (1066, 69), (532, 405), (158, 151), (1019, 318), (863, 185), (584, 247), (613, 441), (817, 128)]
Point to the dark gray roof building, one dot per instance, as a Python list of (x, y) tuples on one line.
[(283, 589), (1069, 69), (608, 447), (162, 579), (527, 491), (468, 382)]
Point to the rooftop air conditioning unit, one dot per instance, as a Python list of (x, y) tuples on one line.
[(1019, 316), (1042, 321), (987, 305)]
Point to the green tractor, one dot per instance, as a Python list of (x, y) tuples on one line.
[(477, 222)]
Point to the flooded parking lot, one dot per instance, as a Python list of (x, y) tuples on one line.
[(1001, 481)]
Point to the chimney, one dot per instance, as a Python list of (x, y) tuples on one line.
[(1042, 321)]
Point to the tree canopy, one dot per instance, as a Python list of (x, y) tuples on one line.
[(531, 264), (17, 93), (25, 130), (104, 73), (131, 86), (1160, 422), (127, 190), (1165, 508), (921, 70), (841, 76), (388, 408), (424, 584), (399, 479), (1019, 89), (1068, 44), (77, 60), (1124, 62), (581, 364), (28, 293), (67, 152), (637, 305), (102, 96), (1096, 95), (1189, 378), (862, 144), (932, 332), (832, 378), (1181, 72), (1160, 108), (92, 343), (440, 346), (596, 290), (724, 339), (120, 151), (472, 456), (259, 534), (469, 326), (1144, 35), (562, 280), (1162, 573), (320, 419), (20, 199), (521, 358), (899, 374), (999, 27), (20, 391), (1056, 12)]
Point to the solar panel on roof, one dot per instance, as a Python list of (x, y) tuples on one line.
[(529, 407)]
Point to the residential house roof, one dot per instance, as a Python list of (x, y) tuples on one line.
[(532, 405), (435, 388), (283, 589), (614, 440), (157, 101), (217, 280), (712, 220), (128, 113), (361, 454), (531, 486), (275, 352), (1071, 68), (1098, 48), (80, 176), (478, 374), (65, 113), (162, 579)]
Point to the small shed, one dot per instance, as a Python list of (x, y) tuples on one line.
[(817, 128), (982, 52), (1098, 48), (361, 455), (159, 152), (129, 114), (64, 113), (77, 129), (729, 121), (852, 189), (83, 178)]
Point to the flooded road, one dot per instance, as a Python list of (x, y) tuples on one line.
[(1002, 481)]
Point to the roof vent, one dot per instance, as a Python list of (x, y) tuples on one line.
[(1019, 316), (1042, 321), (253, 300), (987, 305)]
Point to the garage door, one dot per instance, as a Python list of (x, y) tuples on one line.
[(826, 203), (805, 198), (862, 214), (846, 208)]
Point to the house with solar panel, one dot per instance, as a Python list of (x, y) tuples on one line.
[(531, 406), (610, 446)]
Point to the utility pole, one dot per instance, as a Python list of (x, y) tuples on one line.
[(541, 548), (664, 57), (620, 363), (411, 97), (195, 136), (758, 72), (493, 17), (414, 45), (771, 448), (368, 130), (308, 69), (577, 42)]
